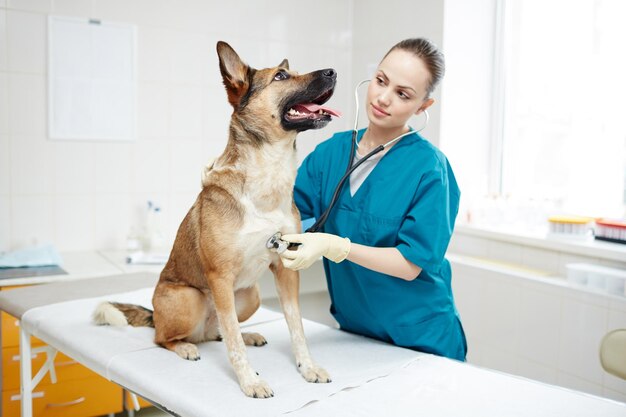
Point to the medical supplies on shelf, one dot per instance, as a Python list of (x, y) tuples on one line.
[(571, 227), (611, 230)]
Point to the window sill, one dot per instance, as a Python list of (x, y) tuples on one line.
[(590, 247)]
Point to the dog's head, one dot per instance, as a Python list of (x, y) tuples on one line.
[(276, 102)]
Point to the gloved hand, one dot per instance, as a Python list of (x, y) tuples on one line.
[(314, 245)]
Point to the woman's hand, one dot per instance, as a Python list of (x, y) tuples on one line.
[(314, 245)]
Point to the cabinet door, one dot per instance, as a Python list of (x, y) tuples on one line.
[(89, 397)]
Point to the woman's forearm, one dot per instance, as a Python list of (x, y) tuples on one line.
[(385, 260)]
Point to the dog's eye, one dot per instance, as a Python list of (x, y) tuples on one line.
[(281, 75)]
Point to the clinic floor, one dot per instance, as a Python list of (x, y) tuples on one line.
[(314, 307)]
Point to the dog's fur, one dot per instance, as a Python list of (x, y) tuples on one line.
[(209, 283)]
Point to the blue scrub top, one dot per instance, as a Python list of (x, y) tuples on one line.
[(409, 201)]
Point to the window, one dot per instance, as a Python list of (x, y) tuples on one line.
[(559, 133)]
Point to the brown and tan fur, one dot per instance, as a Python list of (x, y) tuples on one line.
[(209, 284)]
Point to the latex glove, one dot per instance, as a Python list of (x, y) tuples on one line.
[(314, 245)]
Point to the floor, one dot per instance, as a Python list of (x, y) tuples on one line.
[(314, 306)]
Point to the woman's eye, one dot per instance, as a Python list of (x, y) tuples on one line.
[(403, 95), (281, 75), (380, 80)]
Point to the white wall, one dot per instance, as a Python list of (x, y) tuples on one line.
[(378, 26), (85, 195), (466, 115)]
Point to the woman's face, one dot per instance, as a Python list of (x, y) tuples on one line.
[(398, 90)]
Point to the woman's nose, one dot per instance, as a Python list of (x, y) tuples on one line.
[(383, 98)]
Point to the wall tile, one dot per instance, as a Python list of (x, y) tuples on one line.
[(5, 166), (582, 328), (74, 221), (191, 58), (578, 384), (74, 167), (5, 222), (32, 165), (468, 288), (614, 395), (3, 40), (186, 163), (41, 6), (32, 220), (113, 167), (544, 260), (505, 252), (112, 213), (216, 112), (151, 166), (27, 104), (536, 371), (501, 314), (117, 10), (540, 322), (78, 8), (4, 104), (186, 116), (471, 246), (154, 48), (153, 111), (26, 42)]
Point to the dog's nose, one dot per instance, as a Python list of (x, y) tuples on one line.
[(329, 72)]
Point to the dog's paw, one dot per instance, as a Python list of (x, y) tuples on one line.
[(314, 374), (257, 389), (253, 339), (187, 351)]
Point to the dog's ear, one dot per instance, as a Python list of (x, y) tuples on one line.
[(284, 64), (234, 71)]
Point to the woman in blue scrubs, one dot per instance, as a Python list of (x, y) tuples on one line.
[(389, 231)]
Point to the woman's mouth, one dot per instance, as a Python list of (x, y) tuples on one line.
[(378, 112)]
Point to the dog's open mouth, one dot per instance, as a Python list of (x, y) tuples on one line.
[(312, 110)]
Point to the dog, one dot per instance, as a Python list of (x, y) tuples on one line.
[(209, 283)]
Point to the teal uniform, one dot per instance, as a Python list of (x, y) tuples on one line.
[(409, 201)]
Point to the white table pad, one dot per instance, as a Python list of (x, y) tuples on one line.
[(435, 386), (208, 387), (68, 327)]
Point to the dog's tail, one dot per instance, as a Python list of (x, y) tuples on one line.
[(118, 314)]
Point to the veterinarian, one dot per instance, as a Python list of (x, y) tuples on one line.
[(385, 240)]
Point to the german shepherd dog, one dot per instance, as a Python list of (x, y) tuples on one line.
[(209, 283)]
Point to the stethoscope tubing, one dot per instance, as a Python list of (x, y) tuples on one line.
[(319, 223)]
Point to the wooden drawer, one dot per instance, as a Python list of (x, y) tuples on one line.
[(80, 398), (11, 332), (66, 368)]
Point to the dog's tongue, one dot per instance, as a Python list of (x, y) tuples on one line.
[(314, 108)]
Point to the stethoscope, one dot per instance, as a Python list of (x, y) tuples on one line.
[(275, 242)]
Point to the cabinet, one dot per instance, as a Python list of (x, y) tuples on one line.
[(79, 392)]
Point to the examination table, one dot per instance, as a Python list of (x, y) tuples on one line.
[(370, 378)]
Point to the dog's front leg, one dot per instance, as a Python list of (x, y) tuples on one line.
[(288, 285), (249, 381)]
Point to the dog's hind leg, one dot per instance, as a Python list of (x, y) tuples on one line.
[(247, 302), (225, 307), (287, 284), (179, 317)]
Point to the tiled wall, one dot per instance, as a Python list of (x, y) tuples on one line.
[(87, 195), (521, 316)]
